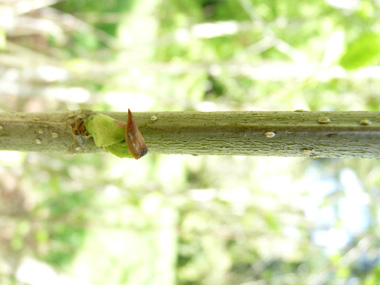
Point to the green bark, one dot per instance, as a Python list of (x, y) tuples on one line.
[(314, 134)]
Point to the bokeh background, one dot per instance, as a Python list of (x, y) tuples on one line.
[(168, 219)]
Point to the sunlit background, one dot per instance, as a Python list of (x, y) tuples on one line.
[(168, 219)]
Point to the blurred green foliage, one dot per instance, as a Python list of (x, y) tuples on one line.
[(191, 220), (363, 51)]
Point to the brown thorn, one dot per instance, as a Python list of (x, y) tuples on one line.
[(134, 139)]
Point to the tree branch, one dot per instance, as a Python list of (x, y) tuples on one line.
[(314, 134)]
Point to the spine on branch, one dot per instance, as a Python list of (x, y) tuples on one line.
[(313, 134)]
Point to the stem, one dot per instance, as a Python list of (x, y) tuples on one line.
[(314, 134)]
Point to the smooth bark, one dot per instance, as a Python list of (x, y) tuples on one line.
[(313, 134)]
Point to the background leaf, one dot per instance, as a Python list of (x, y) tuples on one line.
[(362, 52)]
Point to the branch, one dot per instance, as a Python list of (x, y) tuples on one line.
[(313, 134)]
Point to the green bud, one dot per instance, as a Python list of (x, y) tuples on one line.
[(119, 149), (104, 130)]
